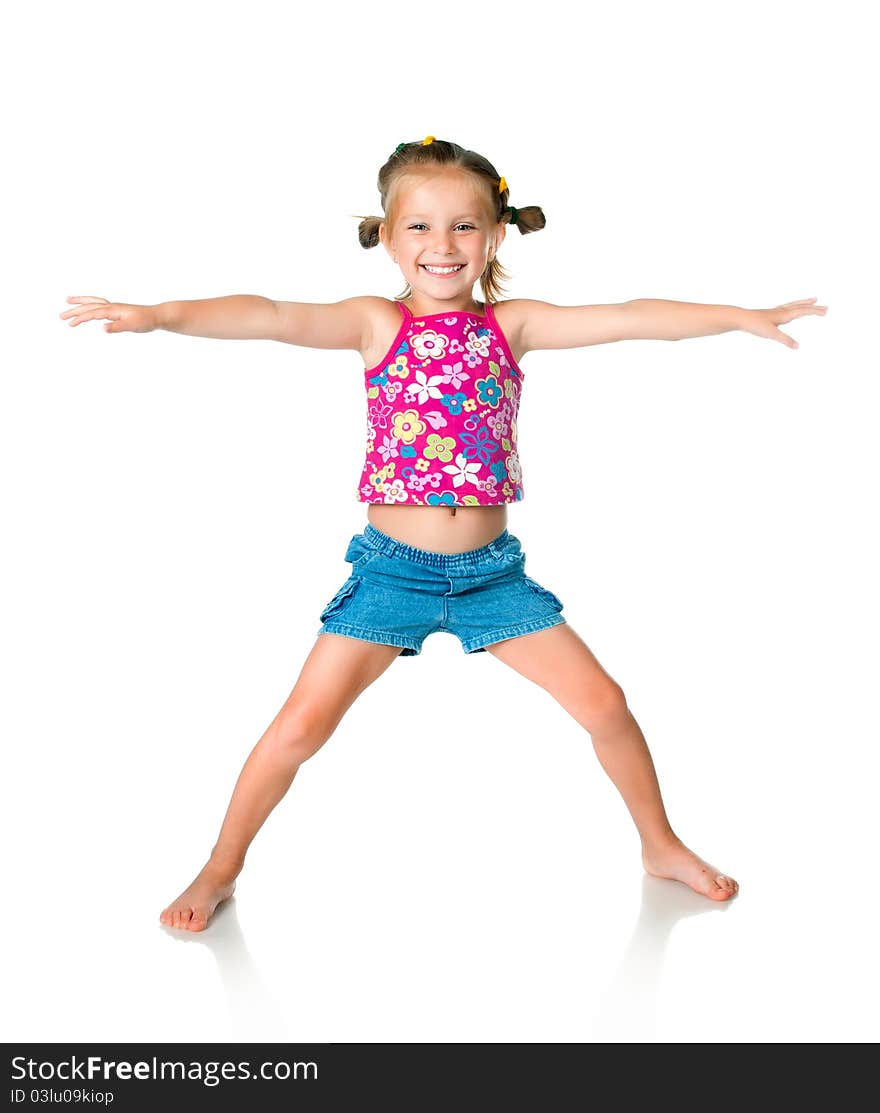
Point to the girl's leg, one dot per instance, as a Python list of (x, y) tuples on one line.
[(335, 673), (558, 660)]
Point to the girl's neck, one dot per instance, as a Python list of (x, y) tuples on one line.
[(474, 309)]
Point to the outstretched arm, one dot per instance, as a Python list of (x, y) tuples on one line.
[(234, 317), (342, 324), (546, 326), (653, 319)]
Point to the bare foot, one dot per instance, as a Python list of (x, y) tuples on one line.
[(674, 861), (195, 906)]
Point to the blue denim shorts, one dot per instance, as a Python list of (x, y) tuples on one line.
[(398, 595)]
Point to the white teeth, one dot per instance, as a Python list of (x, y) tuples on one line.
[(443, 270)]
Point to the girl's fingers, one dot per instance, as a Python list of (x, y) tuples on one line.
[(807, 310), (82, 301), (786, 315), (91, 315)]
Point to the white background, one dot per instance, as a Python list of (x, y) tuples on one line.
[(453, 864)]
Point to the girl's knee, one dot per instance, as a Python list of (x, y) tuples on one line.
[(607, 706), (299, 734)]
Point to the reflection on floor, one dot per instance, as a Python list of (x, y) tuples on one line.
[(628, 1009), (254, 1013)]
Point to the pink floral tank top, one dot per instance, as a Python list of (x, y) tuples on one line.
[(442, 410)]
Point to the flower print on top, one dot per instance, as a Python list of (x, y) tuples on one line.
[(442, 411)]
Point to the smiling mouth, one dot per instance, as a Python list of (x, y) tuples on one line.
[(441, 270)]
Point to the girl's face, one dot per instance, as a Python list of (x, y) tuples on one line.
[(442, 218)]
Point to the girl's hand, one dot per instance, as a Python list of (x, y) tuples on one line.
[(763, 322), (122, 318)]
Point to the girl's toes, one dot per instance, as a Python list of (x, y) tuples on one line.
[(198, 922)]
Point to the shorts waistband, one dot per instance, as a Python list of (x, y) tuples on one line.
[(445, 562)]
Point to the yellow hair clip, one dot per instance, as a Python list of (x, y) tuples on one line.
[(502, 185), (428, 139)]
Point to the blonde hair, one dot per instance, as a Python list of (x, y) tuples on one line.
[(417, 157)]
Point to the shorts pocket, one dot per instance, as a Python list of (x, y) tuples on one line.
[(341, 599), (360, 552), (552, 601), (511, 552)]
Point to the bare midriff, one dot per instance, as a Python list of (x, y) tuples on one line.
[(440, 529)]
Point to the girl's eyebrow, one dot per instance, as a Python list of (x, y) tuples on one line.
[(422, 216)]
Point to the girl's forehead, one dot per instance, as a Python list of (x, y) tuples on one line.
[(438, 189)]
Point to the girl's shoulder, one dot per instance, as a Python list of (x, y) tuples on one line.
[(384, 319), (511, 316)]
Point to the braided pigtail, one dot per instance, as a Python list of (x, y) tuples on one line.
[(368, 230)]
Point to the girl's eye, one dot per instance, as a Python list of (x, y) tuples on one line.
[(457, 226)]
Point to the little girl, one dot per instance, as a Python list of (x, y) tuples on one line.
[(443, 382)]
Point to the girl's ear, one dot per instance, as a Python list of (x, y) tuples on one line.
[(500, 233), (383, 239)]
